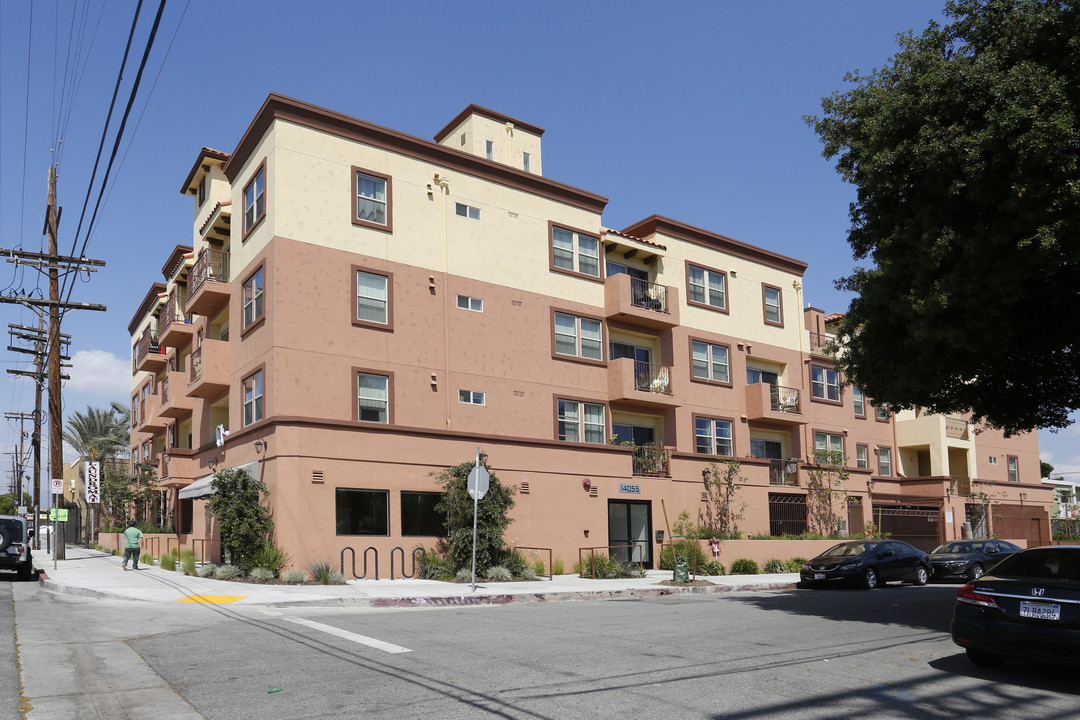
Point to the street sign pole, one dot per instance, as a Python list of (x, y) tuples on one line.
[(475, 512)]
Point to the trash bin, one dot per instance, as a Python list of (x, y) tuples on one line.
[(682, 574)]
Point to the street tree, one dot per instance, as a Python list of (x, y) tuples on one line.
[(492, 518), (244, 521), (965, 152)]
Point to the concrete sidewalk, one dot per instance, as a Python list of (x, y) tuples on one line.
[(91, 573)]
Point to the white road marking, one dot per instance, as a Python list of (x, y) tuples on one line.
[(353, 637)]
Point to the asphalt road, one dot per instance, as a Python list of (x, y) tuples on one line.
[(837, 654), (9, 675)]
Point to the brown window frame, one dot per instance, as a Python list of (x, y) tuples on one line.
[(260, 370), (839, 384), (709, 380), (581, 421), (726, 309), (701, 416), (887, 448), (248, 229), (1009, 470), (599, 277), (765, 287), (578, 358), (388, 326), (354, 217), (390, 404)]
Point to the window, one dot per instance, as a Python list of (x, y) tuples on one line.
[(992, 460), (372, 298), (470, 303), (253, 398), (582, 422), (372, 398), (884, 461), (489, 149), (774, 312), (882, 412), (862, 457), (755, 376), (255, 200), (713, 436), (202, 191), (1014, 469), (362, 512), (372, 204), (829, 448), (707, 287), (419, 518), (473, 213), (575, 252), (578, 336), (859, 401), (825, 383), (471, 397), (770, 449), (526, 162), (709, 362), (253, 298)]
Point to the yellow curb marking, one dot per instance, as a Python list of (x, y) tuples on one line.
[(212, 599)]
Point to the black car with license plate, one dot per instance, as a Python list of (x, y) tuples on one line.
[(1027, 607), (868, 563), (969, 559)]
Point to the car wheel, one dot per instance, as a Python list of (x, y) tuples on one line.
[(922, 575), (983, 658), (5, 539), (870, 579), (977, 571)]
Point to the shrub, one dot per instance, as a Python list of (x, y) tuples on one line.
[(335, 578), (187, 562), (322, 572), (794, 565), (712, 567), (745, 566), (244, 521), (775, 566), (262, 575), (514, 562), (605, 567), (437, 567), (527, 574), (295, 576), (168, 561), (492, 518), (464, 575), (557, 567), (147, 558), (689, 549), (271, 556), (227, 572), (206, 570), (498, 573)]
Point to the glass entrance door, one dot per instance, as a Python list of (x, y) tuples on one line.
[(629, 523)]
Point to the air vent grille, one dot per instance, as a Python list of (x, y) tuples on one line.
[(316, 476), (594, 491), (524, 487)]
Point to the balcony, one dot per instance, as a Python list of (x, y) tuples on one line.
[(640, 383), (651, 461), (172, 398), (774, 403), (641, 303), (956, 428), (784, 472), (174, 325), (209, 283), (208, 374), (177, 468), (820, 344), (150, 419), (150, 356)]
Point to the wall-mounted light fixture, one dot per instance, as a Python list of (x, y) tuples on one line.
[(1023, 497), (260, 446), (212, 463)]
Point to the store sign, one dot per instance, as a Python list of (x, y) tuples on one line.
[(629, 489), (93, 481)]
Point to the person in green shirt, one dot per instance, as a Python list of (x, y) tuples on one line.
[(132, 536)]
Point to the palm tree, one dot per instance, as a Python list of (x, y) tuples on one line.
[(98, 434)]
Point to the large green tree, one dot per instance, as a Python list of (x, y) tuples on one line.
[(99, 434), (965, 151)]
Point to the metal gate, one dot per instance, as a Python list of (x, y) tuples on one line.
[(915, 525), (1021, 522), (787, 514)]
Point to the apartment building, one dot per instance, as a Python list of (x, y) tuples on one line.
[(385, 305)]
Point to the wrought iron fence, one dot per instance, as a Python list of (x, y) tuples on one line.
[(784, 399), (652, 378), (647, 295), (210, 265), (651, 461), (787, 514)]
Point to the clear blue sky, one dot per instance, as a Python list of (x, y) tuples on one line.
[(690, 110)]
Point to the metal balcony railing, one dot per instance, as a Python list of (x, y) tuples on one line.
[(196, 364), (784, 399), (648, 296), (210, 265), (651, 461), (652, 378), (819, 342), (172, 312), (783, 472), (164, 393)]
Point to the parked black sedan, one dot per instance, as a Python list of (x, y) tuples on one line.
[(1027, 607), (868, 563), (969, 559)]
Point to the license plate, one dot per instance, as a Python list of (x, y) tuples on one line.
[(1040, 611), (819, 576)]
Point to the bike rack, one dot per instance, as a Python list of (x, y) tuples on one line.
[(423, 562), (366, 551)]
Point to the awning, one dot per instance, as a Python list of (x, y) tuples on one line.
[(203, 488)]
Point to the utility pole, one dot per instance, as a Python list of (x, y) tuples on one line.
[(54, 262)]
